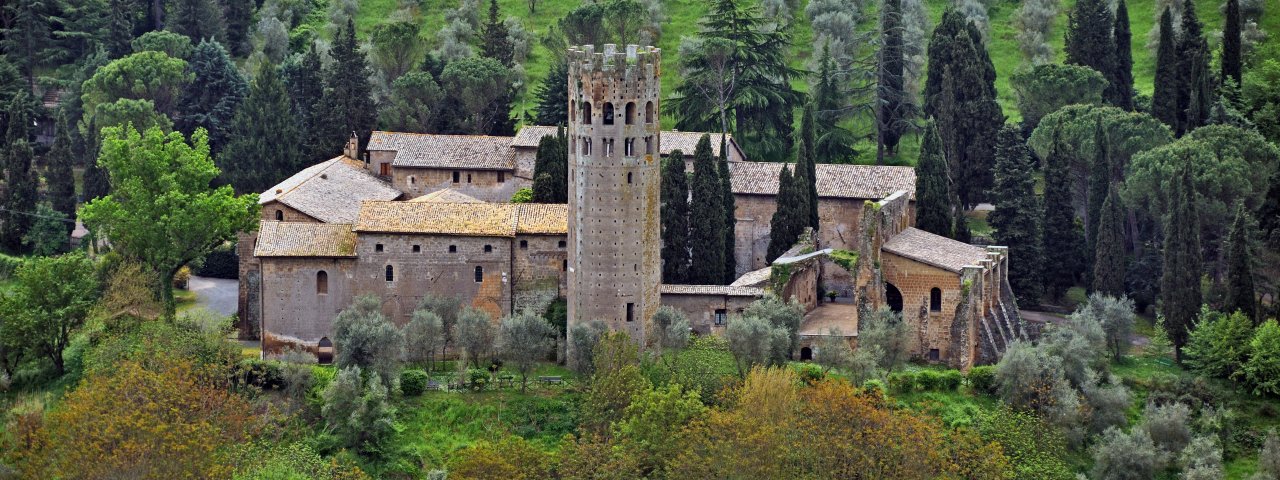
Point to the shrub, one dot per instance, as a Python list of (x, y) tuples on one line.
[(950, 380), (413, 382), (264, 374), (874, 387), (1263, 368), (1118, 455), (927, 380), (8, 265), (901, 382), (222, 262), (983, 379), (810, 373), (477, 378)]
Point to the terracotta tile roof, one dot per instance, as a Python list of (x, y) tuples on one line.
[(529, 136), (476, 152), (727, 290), (753, 278), (305, 239), (447, 195), (474, 219), (936, 250), (330, 191), (835, 181)]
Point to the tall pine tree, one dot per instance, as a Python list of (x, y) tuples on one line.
[(675, 220), (347, 106), (706, 222), (1089, 42), (20, 180), (1099, 188), (1124, 58), (1164, 101), (806, 170), (1241, 295), (1016, 218), (264, 144), (730, 220), (933, 191), (306, 88), (197, 19), (553, 96), (1231, 63), (1061, 235), (1194, 84), (239, 14), (211, 100), (787, 222), (1109, 254), (1180, 297), (835, 143), (551, 169), (496, 44), (58, 175), (890, 118)]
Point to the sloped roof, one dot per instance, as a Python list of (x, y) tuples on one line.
[(936, 250), (418, 150), (474, 219), (834, 181), (529, 136), (330, 191), (753, 278), (305, 239), (727, 290), (447, 195)]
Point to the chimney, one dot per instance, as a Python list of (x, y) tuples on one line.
[(352, 150)]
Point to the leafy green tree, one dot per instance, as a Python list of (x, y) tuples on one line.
[(779, 313), (50, 299), (1119, 456), (1061, 235), (1089, 42), (652, 419), (617, 380), (1231, 62), (1100, 179), (1180, 284), (1046, 88), (480, 86), (523, 340), (1260, 91), (1263, 368), (933, 186), (395, 47), (675, 219), (494, 43), (58, 175), (366, 339), (347, 105), (754, 341), (20, 195), (553, 97), (706, 223), (786, 224), (551, 169), (423, 336), (1122, 82), (263, 138), (357, 411), (149, 75), (1165, 99), (1109, 261), (447, 308), (215, 93), (887, 333), (197, 19), (161, 211), (414, 105), (1017, 214), (583, 338), (239, 17), (1219, 344), (1116, 315), (27, 35), (474, 333), (669, 329), (48, 234), (171, 44), (1241, 295)]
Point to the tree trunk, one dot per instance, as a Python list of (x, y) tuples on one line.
[(166, 294)]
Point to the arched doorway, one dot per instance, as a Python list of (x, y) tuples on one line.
[(806, 354), (324, 351), (893, 297)]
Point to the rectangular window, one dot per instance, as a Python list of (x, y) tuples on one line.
[(721, 316), (384, 169), (524, 244), (417, 248), (933, 355), (502, 177), (377, 247), (648, 145), (453, 249), (479, 274), (456, 177), (631, 312)]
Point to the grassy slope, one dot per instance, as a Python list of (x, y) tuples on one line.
[(683, 15)]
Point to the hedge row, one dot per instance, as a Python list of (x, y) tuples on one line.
[(981, 379)]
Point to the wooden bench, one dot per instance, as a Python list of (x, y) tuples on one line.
[(550, 380)]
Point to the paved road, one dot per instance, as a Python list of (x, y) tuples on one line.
[(216, 294)]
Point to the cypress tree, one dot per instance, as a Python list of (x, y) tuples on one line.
[(197, 19), (933, 196), (20, 180), (1099, 188), (553, 96), (1193, 78), (264, 144), (889, 79), (1061, 236), (211, 100), (1231, 66), (834, 142), (706, 223), (730, 220), (1241, 295), (786, 225), (495, 43), (59, 177), (1164, 100), (961, 232), (239, 15), (1089, 42), (1016, 218), (551, 169), (1109, 259), (1124, 57), (675, 219), (306, 90), (806, 170), (347, 105), (1180, 280)]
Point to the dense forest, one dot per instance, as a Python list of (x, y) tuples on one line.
[(1125, 152)]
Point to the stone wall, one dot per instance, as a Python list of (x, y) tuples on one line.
[(540, 263), (274, 210), (434, 269), (915, 280), (249, 298), (525, 159), (294, 312), (487, 185), (701, 309), (838, 220)]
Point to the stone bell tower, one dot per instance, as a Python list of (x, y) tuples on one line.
[(615, 263)]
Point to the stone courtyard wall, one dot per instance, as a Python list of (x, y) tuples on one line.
[(434, 270), (539, 263), (701, 309), (481, 184)]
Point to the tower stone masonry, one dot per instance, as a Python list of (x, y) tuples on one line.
[(615, 263)]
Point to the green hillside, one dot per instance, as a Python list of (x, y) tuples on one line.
[(683, 16)]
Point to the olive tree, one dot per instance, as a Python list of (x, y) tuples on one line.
[(365, 338), (524, 339), (474, 334)]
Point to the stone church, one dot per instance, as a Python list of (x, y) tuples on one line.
[(421, 214)]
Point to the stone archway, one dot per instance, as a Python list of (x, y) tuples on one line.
[(893, 297), (324, 351), (806, 354)]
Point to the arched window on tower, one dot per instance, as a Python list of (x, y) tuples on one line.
[(935, 300), (608, 113), (648, 145), (586, 113), (631, 113), (648, 112), (322, 283), (279, 215), (629, 147)]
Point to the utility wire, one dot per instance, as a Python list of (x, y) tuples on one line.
[(37, 215)]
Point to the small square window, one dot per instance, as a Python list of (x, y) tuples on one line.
[(488, 248), (721, 316), (560, 244), (417, 248), (933, 355), (377, 247), (524, 244), (453, 249)]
